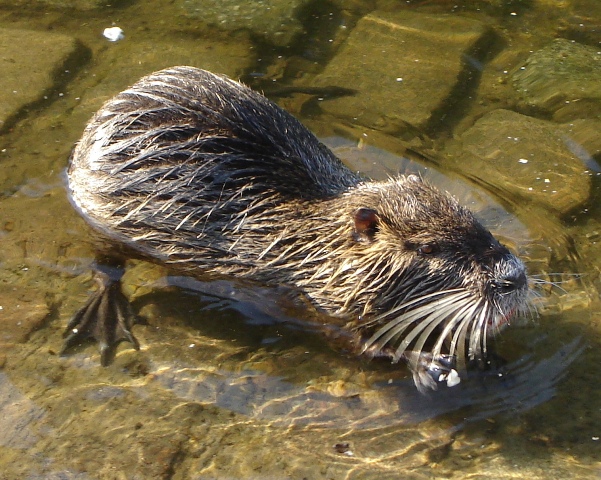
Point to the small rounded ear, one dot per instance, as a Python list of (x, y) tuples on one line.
[(366, 224)]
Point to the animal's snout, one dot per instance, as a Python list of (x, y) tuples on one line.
[(512, 276)]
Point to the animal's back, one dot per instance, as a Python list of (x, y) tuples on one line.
[(181, 160)]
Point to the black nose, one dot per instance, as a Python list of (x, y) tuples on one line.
[(511, 281), (510, 284)]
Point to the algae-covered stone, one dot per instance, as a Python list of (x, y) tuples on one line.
[(562, 79), (22, 310), (275, 20), (123, 63), (30, 62), (528, 157), (407, 66)]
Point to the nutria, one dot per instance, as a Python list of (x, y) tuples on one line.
[(201, 174)]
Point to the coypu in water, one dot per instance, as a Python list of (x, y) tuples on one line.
[(201, 174)]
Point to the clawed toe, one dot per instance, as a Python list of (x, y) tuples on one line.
[(429, 372), (107, 318)]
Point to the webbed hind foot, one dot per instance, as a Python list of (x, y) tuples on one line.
[(107, 317)]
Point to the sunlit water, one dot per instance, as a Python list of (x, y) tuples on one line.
[(231, 380)]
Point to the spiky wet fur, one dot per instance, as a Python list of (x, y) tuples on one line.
[(200, 173)]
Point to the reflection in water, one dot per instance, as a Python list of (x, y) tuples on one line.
[(523, 383)]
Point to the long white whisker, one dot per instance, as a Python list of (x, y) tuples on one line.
[(467, 315), (426, 327), (459, 309), (458, 341), (395, 327), (479, 332), (405, 306)]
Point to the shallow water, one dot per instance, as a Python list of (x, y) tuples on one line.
[(230, 382)]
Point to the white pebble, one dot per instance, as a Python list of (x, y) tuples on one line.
[(113, 34)]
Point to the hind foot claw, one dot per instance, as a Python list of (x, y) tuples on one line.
[(107, 317)]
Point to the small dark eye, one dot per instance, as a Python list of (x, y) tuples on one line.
[(426, 249)]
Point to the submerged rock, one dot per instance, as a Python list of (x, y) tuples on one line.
[(527, 157), (427, 59), (22, 311), (124, 63), (276, 21), (32, 63), (562, 79)]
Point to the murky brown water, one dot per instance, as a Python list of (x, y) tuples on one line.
[(229, 382)]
